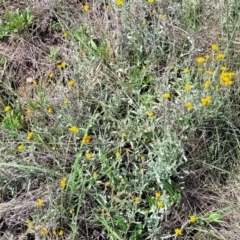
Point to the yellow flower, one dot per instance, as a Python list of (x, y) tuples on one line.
[(65, 34), (144, 67), (220, 56), (63, 182), (107, 184), (89, 155), (189, 105), (226, 78), (71, 211), (122, 180), (186, 70), (62, 65), (164, 16), (153, 11), (74, 129), (192, 218), (30, 223), (150, 114), (84, 54), (108, 7), (144, 23), (123, 134), (137, 199), (86, 138), (207, 84), (206, 101), (217, 87), (119, 2), (1, 207), (54, 232), (214, 47), (187, 87), (65, 101), (43, 231), (178, 231), (200, 69), (61, 232), (151, 1), (157, 194), (51, 75), (29, 135), (160, 204), (200, 60), (21, 147), (86, 7), (49, 110), (207, 56), (223, 68), (95, 174), (7, 109), (39, 202), (29, 111), (166, 95), (142, 158), (71, 83), (35, 83), (209, 73), (118, 154)]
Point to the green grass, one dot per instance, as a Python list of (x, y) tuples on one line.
[(156, 134)]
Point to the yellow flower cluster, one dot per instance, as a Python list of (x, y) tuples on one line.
[(200, 60), (63, 182), (206, 101), (226, 78), (86, 138)]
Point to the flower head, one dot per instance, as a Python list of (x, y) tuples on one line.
[(86, 138), (39, 202), (214, 47), (189, 105), (65, 101), (119, 2), (118, 154), (43, 231), (71, 83), (62, 65), (71, 211), (89, 155), (65, 34), (192, 218), (7, 109), (166, 95), (187, 87), (49, 110), (209, 73), (107, 184), (30, 223), (95, 174), (178, 231), (29, 135), (207, 84), (150, 114), (74, 129), (151, 1), (137, 199), (157, 194), (144, 23), (223, 68), (200, 60), (160, 204), (21, 147), (108, 7), (86, 7), (220, 56), (186, 70), (60, 233), (206, 101), (63, 182), (51, 75), (226, 78)]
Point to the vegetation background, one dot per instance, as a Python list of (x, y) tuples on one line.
[(119, 119)]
